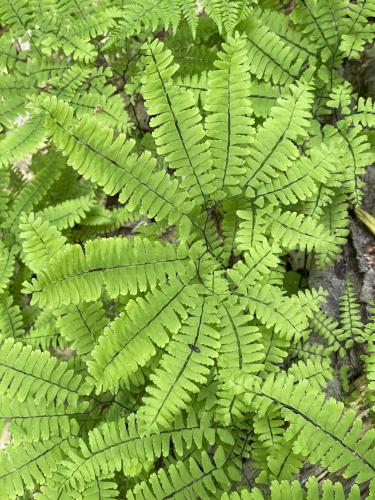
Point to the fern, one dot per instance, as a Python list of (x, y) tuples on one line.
[(164, 166), (39, 374)]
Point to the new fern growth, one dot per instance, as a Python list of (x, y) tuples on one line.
[(159, 164)]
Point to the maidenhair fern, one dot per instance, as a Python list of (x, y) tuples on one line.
[(160, 163)]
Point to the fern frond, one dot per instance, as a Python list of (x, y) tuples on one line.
[(299, 182), (258, 262), (40, 241), (322, 23), (190, 13), (275, 348), (352, 329), (252, 227), (357, 30), (94, 153), (269, 428), (273, 149), (320, 429), (229, 123), (335, 217), (276, 311), (241, 344), (317, 372), (369, 360), (44, 334), (27, 373), (178, 131), (16, 14), (68, 213), (356, 158), (100, 221), (120, 445), (199, 476), (270, 57), (226, 13), (11, 321), (22, 140), (7, 262), (183, 368), (281, 462), (25, 466), (147, 322), (315, 490), (146, 16), (82, 325), (364, 113), (31, 422), (292, 230), (263, 97), (75, 276), (31, 194)]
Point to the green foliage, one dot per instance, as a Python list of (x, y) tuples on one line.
[(160, 166)]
